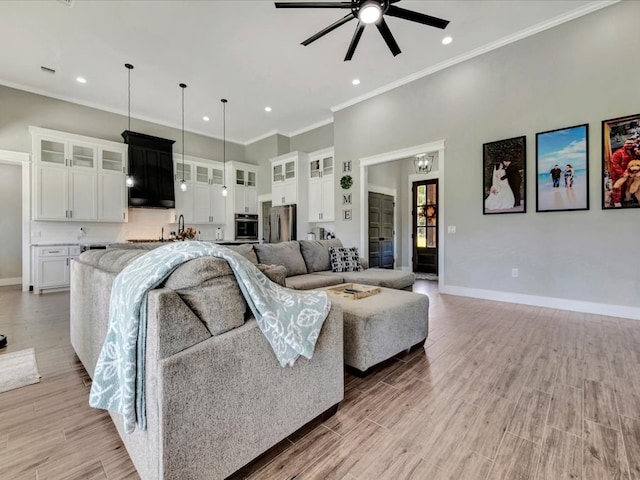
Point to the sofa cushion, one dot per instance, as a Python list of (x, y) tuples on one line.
[(312, 281), (246, 250), (112, 261), (275, 273), (208, 287), (316, 253), (344, 259), (286, 254), (381, 277)]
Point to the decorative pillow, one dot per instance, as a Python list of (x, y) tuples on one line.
[(316, 254), (344, 259), (286, 254)]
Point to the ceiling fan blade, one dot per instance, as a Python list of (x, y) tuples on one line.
[(383, 28), (312, 4), (354, 41), (330, 28), (412, 16)]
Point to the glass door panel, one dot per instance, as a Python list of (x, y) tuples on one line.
[(112, 161), (217, 177), (52, 152), (251, 179), (82, 156)]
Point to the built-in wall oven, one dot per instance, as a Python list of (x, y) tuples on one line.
[(246, 226)]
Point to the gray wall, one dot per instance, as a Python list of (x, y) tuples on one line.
[(579, 72), (259, 153), (316, 139), (20, 109), (10, 221)]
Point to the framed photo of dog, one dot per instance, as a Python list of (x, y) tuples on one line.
[(562, 169), (504, 176), (621, 162)]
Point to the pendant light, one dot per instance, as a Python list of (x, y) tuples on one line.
[(183, 184), (224, 146), (129, 179)]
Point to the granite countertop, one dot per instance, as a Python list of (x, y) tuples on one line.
[(49, 244)]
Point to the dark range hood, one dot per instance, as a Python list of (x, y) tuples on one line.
[(151, 166)]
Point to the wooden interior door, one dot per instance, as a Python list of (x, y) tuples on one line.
[(381, 230), (425, 226)]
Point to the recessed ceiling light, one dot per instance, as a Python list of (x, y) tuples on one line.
[(355, 81), (447, 40), (206, 119), (267, 109), (81, 80)]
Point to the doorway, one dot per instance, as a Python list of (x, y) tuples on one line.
[(425, 226), (381, 232)]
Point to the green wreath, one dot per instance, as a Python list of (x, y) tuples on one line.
[(346, 182)]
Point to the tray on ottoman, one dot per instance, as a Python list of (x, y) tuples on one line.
[(353, 291)]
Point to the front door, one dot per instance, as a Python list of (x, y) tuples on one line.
[(425, 226), (380, 230)]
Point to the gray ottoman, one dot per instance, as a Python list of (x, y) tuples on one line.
[(378, 327)]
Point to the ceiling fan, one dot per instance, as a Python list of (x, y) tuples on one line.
[(366, 12)]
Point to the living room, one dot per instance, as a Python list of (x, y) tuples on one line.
[(578, 72)]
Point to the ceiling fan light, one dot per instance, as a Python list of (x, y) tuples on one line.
[(370, 12)]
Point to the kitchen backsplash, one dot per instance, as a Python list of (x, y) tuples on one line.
[(144, 223)]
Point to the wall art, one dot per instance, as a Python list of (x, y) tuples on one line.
[(621, 162), (504, 176), (562, 169)]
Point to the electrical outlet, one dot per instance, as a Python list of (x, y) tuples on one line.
[(451, 229), (514, 272)]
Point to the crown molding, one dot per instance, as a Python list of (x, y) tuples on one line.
[(308, 128)]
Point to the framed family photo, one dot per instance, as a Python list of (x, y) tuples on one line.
[(621, 162), (562, 169), (504, 176)]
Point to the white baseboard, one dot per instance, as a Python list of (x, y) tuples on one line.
[(10, 281), (550, 302)]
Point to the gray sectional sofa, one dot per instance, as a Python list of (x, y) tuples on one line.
[(216, 397), (308, 266)]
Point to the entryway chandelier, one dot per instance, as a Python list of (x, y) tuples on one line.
[(423, 162)]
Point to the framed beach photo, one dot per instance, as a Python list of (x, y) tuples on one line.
[(504, 176), (562, 169), (621, 162)]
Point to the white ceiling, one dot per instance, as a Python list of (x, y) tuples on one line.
[(246, 51)]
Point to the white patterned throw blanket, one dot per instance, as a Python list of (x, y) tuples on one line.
[(291, 320)]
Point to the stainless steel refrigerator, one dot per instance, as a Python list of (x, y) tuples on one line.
[(282, 223)]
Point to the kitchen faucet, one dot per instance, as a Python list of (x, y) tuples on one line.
[(180, 224)]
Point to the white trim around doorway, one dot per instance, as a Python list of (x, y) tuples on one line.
[(23, 159), (366, 162)]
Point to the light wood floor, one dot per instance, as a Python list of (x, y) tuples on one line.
[(501, 391)]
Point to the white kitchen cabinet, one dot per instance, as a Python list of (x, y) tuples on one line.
[(112, 190), (321, 186), (284, 180), (76, 177), (203, 202), (185, 201), (243, 188), (53, 266)]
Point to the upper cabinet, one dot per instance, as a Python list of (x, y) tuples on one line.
[(202, 202), (243, 187), (285, 178), (78, 178), (321, 189)]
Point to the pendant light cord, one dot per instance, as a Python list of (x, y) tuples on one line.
[(129, 68), (183, 86), (224, 141)]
